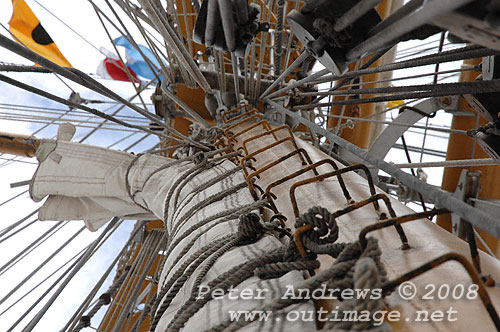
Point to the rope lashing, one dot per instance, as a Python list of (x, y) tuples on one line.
[(321, 234), (339, 276), (200, 159), (366, 277), (250, 229)]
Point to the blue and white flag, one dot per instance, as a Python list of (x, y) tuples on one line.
[(135, 59)]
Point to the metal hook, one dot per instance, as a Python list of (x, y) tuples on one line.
[(347, 195), (396, 221), (321, 177), (264, 124), (483, 294), (235, 110), (355, 206), (297, 237)]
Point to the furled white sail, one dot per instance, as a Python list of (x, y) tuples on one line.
[(92, 183)]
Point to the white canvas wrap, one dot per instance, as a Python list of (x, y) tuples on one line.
[(89, 183)]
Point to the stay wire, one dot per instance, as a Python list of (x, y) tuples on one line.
[(42, 282), (85, 304), (82, 107), (70, 28), (13, 198), (86, 256), (17, 223), (41, 265), (31, 247), (87, 81), (19, 230)]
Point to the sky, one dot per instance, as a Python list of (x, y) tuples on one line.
[(79, 15)]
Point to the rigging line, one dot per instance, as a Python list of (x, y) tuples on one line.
[(142, 88), (290, 36), (173, 41), (417, 51), (398, 106), (435, 81), (51, 120), (54, 284), (18, 159), (148, 261), (89, 82), (443, 130), (60, 278), (121, 140), (148, 62), (407, 153), (12, 198), (452, 163), (462, 88), (262, 49), (127, 286), (419, 88), (66, 25), (67, 85), (23, 68), (19, 230), (127, 70), (42, 282), (150, 258), (343, 107), (86, 256), (79, 312), (32, 246), (449, 56), (366, 65), (41, 265), (91, 110), (327, 92), (236, 77), (167, 72), (485, 245), (9, 161), (136, 142), (76, 116), (475, 216), (17, 223), (304, 55)]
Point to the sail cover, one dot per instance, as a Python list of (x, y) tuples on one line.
[(200, 205)]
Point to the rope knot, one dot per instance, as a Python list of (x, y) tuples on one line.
[(324, 232), (200, 158), (250, 228)]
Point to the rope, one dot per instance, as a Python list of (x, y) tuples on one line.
[(86, 256), (366, 277), (145, 312), (320, 240), (230, 278), (250, 230), (104, 299), (338, 276)]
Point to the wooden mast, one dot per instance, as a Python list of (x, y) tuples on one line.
[(461, 147), (18, 145)]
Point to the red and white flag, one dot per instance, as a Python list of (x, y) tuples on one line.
[(112, 68)]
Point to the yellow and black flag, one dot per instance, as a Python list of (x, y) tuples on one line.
[(26, 27)]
